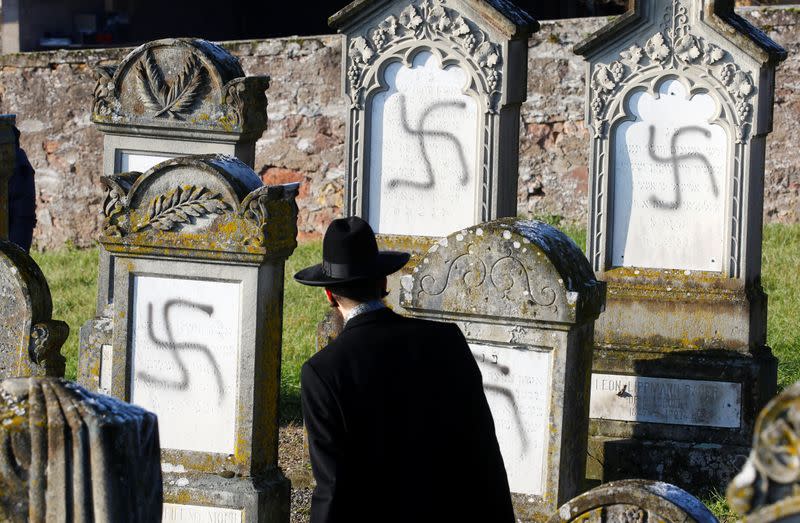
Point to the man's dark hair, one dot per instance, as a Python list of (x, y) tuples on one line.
[(360, 290)]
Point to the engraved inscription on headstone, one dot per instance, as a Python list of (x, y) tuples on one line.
[(185, 353), (517, 386), (663, 400), (670, 182), (200, 514), (423, 149)]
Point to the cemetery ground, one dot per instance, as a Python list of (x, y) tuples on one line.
[(72, 275)]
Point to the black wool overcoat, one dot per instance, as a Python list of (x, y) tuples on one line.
[(399, 428)]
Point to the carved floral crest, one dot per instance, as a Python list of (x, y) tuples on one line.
[(672, 48), (164, 98), (428, 20)]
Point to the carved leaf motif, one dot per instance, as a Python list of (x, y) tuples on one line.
[(632, 56), (179, 206), (656, 48), (152, 87), (162, 98), (686, 48), (410, 19)]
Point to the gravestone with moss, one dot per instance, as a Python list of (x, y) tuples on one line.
[(526, 300), (679, 105), (30, 339), (200, 245), (434, 90), (167, 98), (74, 456)]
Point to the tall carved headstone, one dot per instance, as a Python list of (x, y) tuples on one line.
[(167, 98), (69, 455), (200, 245), (435, 88), (766, 490), (679, 104), (526, 299), (30, 340), (7, 163)]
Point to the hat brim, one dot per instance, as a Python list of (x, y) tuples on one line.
[(387, 262)]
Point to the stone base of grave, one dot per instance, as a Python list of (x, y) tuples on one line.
[(695, 432), (190, 497), (698, 467)]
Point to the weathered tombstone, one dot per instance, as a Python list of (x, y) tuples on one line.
[(766, 490), (30, 340), (435, 88), (7, 162), (634, 501), (526, 299), (167, 98), (679, 103), (200, 245), (69, 455)]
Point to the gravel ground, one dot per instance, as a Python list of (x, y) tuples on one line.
[(293, 460)]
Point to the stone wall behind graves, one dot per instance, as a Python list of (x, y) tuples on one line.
[(51, 93)]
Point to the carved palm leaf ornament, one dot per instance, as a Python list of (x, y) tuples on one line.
[(179, 206), (165, 99)]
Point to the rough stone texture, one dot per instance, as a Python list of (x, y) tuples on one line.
[(514, 284), (766, 488), (52, 95), (634, 501), (30, 340), (70, 455)]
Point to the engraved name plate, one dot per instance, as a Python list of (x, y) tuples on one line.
[(663, 400), (517, 386), (185, 342), (423, 150), (670, 182), (200, 514)]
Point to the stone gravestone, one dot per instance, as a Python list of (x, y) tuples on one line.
[(435, 88), (679, 103), (30, 340), (634, 501), (526, 299), (69, 455), (200, 245), (766, 490), (167, 98), (8, 158)]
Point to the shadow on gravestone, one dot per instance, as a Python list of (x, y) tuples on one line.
[(30, 340), (766, 490), (69, 455), (634, 501)]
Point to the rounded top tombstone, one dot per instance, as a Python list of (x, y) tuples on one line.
[(208, 206), (509, 268), (185, 85), (634, 501)]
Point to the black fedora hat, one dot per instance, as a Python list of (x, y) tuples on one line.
[(350, 253)]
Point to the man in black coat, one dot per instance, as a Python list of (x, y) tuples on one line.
[(398, 425)]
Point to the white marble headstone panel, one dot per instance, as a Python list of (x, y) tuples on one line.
[(185, 342), (173, 513), (664, 400), (670, 182), (140, 162), (423, 150), (517, 386)]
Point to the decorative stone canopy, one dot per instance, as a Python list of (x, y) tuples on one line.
[(210, 206), (506, 269), (180, 85), (70, 455), (30, 340)]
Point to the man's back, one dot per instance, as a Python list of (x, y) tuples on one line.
[(399, 427)]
